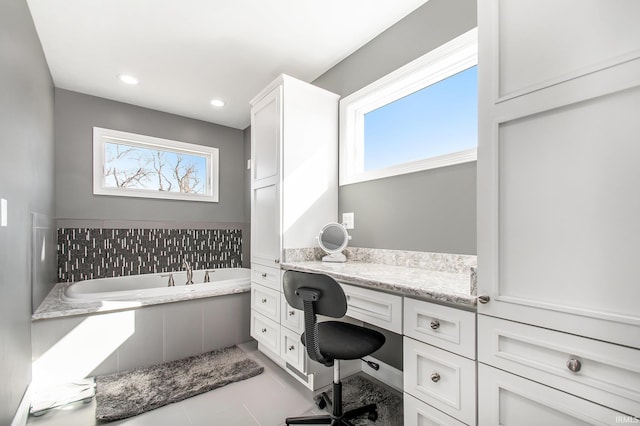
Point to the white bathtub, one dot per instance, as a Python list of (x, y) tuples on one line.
[(140, 287)]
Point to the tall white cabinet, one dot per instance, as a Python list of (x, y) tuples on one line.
[(294, 193), (559, 212)]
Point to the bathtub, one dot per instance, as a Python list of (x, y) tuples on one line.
[(145, 286), (110, 325)]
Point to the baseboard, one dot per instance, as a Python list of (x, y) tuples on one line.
[(20, 419), (386, 374)]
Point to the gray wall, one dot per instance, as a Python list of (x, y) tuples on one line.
[(26, 182), (77, 114), (425, 211), (432, 210)]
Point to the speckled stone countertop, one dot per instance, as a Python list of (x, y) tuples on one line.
[(455, 286), (54, 307)]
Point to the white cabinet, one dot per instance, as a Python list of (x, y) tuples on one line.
[(294, 193), (557, 206), (439, 364), (509, 400)]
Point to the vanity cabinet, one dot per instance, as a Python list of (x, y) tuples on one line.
[(439, 364), (294, 193), (559, 97)]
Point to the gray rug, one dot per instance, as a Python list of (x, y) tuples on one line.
[(133, 392), (358, 391)]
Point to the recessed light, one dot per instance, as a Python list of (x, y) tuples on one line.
[(129, 79), (217, 103)]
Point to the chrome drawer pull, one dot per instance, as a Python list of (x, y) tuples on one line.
[(435, 324), (264, 330), (435, 377), (574, 365), (291, 313), (291, 347), (264, 275), (484, 299), (264, 300)]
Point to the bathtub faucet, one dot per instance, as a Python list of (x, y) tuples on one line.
[(186, 265)]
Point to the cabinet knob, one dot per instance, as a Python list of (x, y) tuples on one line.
[(264, 275), (435, 377), (574, 365), (484, 299), (292, 313), (264, 330), (277, 260), (435, 324), (264, 300), (291, 348)]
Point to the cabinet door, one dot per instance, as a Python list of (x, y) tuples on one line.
[(558, 204), (265, 225), (509, 400), (266, 134)]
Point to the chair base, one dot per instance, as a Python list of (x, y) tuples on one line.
[(336, 418)]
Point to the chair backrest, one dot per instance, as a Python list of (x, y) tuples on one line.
[(314, 294)]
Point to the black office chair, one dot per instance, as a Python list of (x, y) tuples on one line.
[(329, 342)]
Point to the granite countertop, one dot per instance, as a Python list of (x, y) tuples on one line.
[(54, 307), (454, 288)]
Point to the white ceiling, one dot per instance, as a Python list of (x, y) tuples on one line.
[(187, 52)]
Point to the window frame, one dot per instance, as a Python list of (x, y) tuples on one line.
[(101, 136), (451, 58)]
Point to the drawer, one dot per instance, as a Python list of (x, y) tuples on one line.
[(290, 317), (417, 413), (265, 331), (374, 307), (509, 400), (268, 277), (266, 301), (442, 379), (447, 328), (605, 373), (291, 349)]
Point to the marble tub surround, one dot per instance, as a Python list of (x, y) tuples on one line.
[(53, 306), (453, 288)]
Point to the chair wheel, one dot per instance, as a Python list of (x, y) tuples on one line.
[(373, 416), (320, 402)]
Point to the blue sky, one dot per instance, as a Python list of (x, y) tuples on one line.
[(439, 119)]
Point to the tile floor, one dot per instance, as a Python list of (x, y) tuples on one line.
[(264, 400)]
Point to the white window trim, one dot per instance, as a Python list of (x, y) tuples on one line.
[(102, 136), (450, 58)]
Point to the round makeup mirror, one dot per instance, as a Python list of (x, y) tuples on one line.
[(333, 238)]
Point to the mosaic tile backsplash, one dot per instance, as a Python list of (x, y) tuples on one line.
[(85, 253)]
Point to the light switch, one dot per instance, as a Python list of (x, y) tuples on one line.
[(3, 212), (348, 220)]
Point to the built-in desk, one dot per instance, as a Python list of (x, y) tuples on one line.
[(432, 308)]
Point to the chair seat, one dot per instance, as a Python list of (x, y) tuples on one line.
[(341, 340)]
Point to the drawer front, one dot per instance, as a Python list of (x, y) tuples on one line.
[(291, 349), (381, 309), (265, 331), (605, 373), (268, 277), (442, 379), (291, 318), (447, 328), (417, 413), (266, 301), (509, 400)]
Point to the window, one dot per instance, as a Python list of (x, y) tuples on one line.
[(421, 116), (130, 165)]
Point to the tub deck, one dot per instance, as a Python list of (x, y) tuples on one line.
[(54, 307)]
